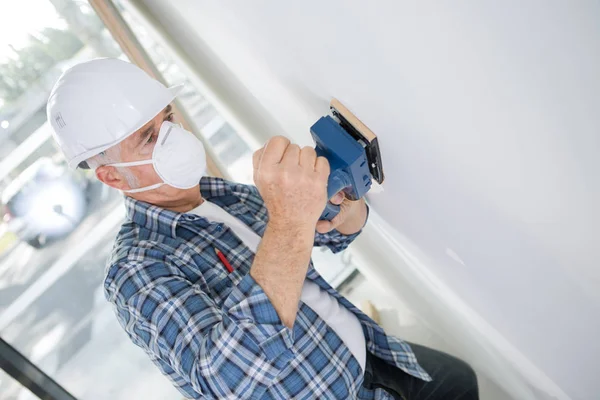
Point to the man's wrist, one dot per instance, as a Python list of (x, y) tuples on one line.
[(296, 230)]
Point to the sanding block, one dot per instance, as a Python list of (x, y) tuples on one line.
[(352, 150)]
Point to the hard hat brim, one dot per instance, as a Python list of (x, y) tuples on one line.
[(176, 90)]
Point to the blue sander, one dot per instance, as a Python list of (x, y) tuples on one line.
[(353, 153)]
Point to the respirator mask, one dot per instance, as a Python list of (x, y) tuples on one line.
[(178, 158)]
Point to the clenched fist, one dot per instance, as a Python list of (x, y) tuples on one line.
[(292, 182)]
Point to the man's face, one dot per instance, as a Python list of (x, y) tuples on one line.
[(137, 147), (140, 145)]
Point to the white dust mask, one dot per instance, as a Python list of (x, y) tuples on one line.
[(178, 158)]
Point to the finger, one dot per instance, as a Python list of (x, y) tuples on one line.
[(322, 167), (256, 157), (324, 226), (340, 218), (308, 157), (274, 150), (338, 198), (292, 155), (328, 226)]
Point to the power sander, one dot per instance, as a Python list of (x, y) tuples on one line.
[(352, 150)]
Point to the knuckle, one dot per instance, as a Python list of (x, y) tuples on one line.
[(309, 152), (323, 163), (286, 178), (255, 158), (281, 139), (266, 176), (307, 179)]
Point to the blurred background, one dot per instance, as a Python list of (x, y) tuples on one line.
[(57, 225)]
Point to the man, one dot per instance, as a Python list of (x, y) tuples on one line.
[(213, 279)]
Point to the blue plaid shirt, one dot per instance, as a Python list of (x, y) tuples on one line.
[(215, 334)]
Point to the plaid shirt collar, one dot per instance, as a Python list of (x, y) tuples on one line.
[(165, 222)]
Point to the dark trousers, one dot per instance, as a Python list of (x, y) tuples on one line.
[(453, 379)]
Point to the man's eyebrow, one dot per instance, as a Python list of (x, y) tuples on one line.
[(145, 135), (150, 129)]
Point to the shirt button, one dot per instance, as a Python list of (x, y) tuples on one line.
[(219, 227)]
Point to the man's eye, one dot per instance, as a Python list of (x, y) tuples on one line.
[(170, 117), (151, 139)]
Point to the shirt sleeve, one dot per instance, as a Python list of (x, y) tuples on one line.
[(222, 352), (335, 240)]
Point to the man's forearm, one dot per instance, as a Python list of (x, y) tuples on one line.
[(280, 267)]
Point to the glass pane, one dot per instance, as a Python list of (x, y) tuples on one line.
[(10, 389), (57, 225), (232, 151), (52, 306)]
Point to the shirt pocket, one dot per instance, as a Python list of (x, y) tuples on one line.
[(221, 289)]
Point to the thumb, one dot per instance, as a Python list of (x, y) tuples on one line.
[(338, 198), (327, 226), (324, 226)]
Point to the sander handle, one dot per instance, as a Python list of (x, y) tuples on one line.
[(338, 180)]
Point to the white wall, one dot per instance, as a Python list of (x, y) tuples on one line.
[(488, 114)]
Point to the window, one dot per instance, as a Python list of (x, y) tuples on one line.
[(232, 152), (57, 225), (10, 388)]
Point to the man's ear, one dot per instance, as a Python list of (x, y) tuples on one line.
[(111, 177)]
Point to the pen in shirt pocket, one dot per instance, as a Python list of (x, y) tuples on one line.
[(223, 260)]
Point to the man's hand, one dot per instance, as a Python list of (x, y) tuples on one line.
[(292, 183), (351, 218)]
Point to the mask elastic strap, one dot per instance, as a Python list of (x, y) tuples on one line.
[(130, 164), (133, 164), (145, 188)]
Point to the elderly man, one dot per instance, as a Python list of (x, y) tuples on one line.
[(213, 279)]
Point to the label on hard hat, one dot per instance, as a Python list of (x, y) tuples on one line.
[(60, 122)]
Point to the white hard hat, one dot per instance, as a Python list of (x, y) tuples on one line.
[(98, 103)]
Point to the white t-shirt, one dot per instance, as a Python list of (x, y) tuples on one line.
[(340, 319)]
